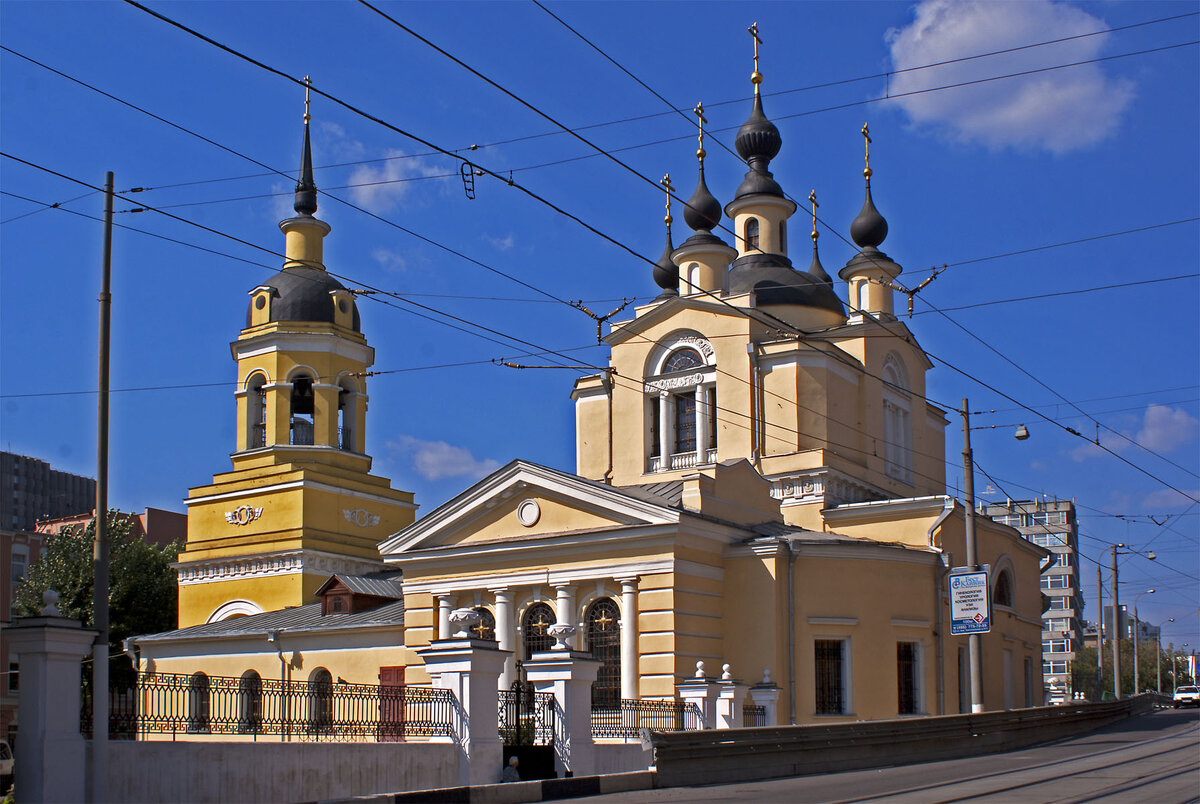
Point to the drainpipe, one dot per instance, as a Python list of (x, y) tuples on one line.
[(284, 687), (939, 590), (791, 627), (755, 418), (608, 388)]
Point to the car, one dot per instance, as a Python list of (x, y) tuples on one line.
[(6, 767), (1186, 696)]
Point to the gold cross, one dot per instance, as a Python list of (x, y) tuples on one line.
[(480, 629), (540, 624), (307, 87), (867, 145), (812, 197), (666, 183), (603, 620), (699, 111), (756, 76)]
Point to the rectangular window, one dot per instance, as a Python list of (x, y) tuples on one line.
[(1060, 603), (1049, 539), (19, 564), (1050, 518), (1062, 560), (14, 677), (1056, 646), (1054, 667), (685, 423), (655, 413), (710, 397), (908, 674), (1057, 624), (830, 669), (1055, 581)]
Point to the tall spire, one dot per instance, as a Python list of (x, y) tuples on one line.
[(306, 188), (666, 272), (816, 269), (869, 229), (703, 211)]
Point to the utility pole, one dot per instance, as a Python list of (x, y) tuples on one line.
[(1100, 634), (973, 651), (100, 547), (1116, 634)]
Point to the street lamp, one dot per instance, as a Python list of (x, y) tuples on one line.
[(1137, 626)]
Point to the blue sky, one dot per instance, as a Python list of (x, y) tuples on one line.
[(963, 175)]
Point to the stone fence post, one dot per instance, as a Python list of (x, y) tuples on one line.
[(470, 668), (568, 674), (51, 762), (730, 697), (766, 694), (702, 691)]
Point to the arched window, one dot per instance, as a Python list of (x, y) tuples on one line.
[(256, 412), (1002, 595), (604, 642), (320, 701), (347, 415), (486, 627), (751, 234), (783, 237), (535, 628), (250, 703), (302, 409), (681, 411), (897, 421), (198, 704)]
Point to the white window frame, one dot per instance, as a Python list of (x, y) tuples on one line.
[(847, 676), (698, 384), (897, 421)]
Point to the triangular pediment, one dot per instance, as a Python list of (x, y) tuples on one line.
[(624, 330), (526, 501)]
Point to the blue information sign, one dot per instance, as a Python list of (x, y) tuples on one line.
[(970, 604)]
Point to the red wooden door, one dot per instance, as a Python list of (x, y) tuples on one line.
[(391, 704)]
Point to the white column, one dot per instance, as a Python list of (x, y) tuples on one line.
[(569, 676), (701, 425), (506, 635), (564, 608), (629, 638), (445, 606), (665, 430)]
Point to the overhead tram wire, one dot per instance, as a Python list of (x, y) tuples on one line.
[(353, 281), (1057, 294), (583, 223), (45, 206)]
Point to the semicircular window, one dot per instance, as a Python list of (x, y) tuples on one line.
[(683, 360)]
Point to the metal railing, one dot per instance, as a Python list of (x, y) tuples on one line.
[(754, 715), (629, 718), (526, 717), (182, 705)]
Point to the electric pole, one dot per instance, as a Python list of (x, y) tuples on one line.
[(1116, 634)]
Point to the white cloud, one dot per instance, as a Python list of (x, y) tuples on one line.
[(282, 198), (1168, 498), (389, 259), (382, 186), (1165, 429), (1162, 429), (1058, 110), (435, 460), (501, 243)]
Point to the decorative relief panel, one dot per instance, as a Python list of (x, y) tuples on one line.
[(243, 515), (529, 512), (667, 383), (269, 565), (360, 517)]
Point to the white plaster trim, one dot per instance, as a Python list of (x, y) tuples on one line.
[(907, 622), (813, 358), (537, 577), (232, 609), (685, 567), (833, 621), (299, 484), (820, 485), (323, 343), (883, 510), (266, 565), (868, 551)]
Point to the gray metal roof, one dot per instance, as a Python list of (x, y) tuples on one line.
[(376, 584), (289, 620), (668, 492)]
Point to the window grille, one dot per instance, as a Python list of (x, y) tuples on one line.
[(906, 677), (830, 692)]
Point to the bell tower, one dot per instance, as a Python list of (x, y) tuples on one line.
[(300, 502)]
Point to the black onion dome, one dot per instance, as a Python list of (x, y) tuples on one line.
[(666, 272), (703, 211), (817, 270), (775, 282), (758, 138), (869, 229), (306, 188), (302, 294)]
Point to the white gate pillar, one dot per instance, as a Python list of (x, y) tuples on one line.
[(470, 668), (730, 698), (702, 691), (50, 762), (766, 694), (568, 674)]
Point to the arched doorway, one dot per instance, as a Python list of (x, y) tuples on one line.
[(604, 642)]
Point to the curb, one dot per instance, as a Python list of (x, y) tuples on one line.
[(516, 792)]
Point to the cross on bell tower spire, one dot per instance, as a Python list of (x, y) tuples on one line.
[(756, 76)]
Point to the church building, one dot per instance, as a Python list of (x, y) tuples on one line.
[(760, 483)]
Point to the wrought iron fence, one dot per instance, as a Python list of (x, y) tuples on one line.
[(526, 717), (629, 718), (754, 715), (122, 713), (183, 705)]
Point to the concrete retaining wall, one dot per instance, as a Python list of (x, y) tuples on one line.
[(710, 757), (180, 772), (622, 757)]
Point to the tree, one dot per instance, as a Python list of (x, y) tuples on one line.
[(142, 595), (1083, 670)]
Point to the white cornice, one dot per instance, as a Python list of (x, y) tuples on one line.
[(311, 485), (266, 565), (322, 342), (883, 510), (557, 545)]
